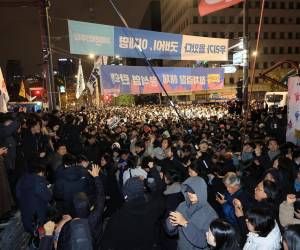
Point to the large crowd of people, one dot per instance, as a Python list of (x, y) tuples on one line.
[(143, 178)]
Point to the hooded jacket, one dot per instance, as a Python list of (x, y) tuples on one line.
[(199, 217)]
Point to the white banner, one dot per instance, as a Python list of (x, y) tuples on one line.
[(204, 48), (293, 127), (80, 86), (4, 97)]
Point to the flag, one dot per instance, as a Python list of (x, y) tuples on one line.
[(208, 6), (80, 86), (22, 91), (91, 84), (4, 97)]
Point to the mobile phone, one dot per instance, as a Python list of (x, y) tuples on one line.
[(219, 195)]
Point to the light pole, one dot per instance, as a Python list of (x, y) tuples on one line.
[(246, 55), (47, 53)]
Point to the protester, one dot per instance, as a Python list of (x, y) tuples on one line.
[(192, 217), (33, 197), (264, 232), (6, 198), (222, 236), (289, 211), (85, 221), (144, 197), (234, 191), (69, 180), (135, 225)]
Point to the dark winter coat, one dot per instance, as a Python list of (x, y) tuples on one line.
[(7, 140), (95, 220), (228, 208), (134, 226), (71, 136), (69, 181), (33, 197), (92, 152), (5, 193), (34, 144)]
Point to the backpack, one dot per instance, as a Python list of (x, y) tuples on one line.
[(81, 237)]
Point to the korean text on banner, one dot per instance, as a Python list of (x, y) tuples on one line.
[(209, 6), (116, 80), (293, 127), (98, 39)]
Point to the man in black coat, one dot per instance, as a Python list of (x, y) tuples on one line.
[(35, 144), (8, 127), (69, 180), (92, 149), (71, 135), (135, 225), (82, 213), (90, 222), (33, 197)]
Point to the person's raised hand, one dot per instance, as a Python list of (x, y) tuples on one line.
[(220, 198), (291, 198), (49, 228), (177, 218), (95, 170), (238, 208)]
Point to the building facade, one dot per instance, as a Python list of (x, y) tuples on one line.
[(280, 36)]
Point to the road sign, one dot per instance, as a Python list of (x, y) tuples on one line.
[(239, 57), (229, 69)]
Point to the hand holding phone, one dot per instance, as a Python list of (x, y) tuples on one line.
[(220, 198)]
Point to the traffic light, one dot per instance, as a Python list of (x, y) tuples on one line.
[(38, 92)]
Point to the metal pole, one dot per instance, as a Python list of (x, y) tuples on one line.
[(246, 55), (97, 94), (46, 41), (65, 82)]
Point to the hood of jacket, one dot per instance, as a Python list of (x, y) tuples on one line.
[(200, 188)]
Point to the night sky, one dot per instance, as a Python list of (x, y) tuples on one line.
[(20, 27)]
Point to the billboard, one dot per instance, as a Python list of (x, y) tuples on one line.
[(90, 38), (116, 80)]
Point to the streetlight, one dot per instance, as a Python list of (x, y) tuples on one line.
[(254, 53), (92, 56)]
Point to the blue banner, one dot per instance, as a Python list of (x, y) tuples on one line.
[(105, 40), (116, 80)]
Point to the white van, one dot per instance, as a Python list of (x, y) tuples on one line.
[(277, 99)]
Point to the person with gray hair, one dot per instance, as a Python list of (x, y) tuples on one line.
[(234, 188)]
